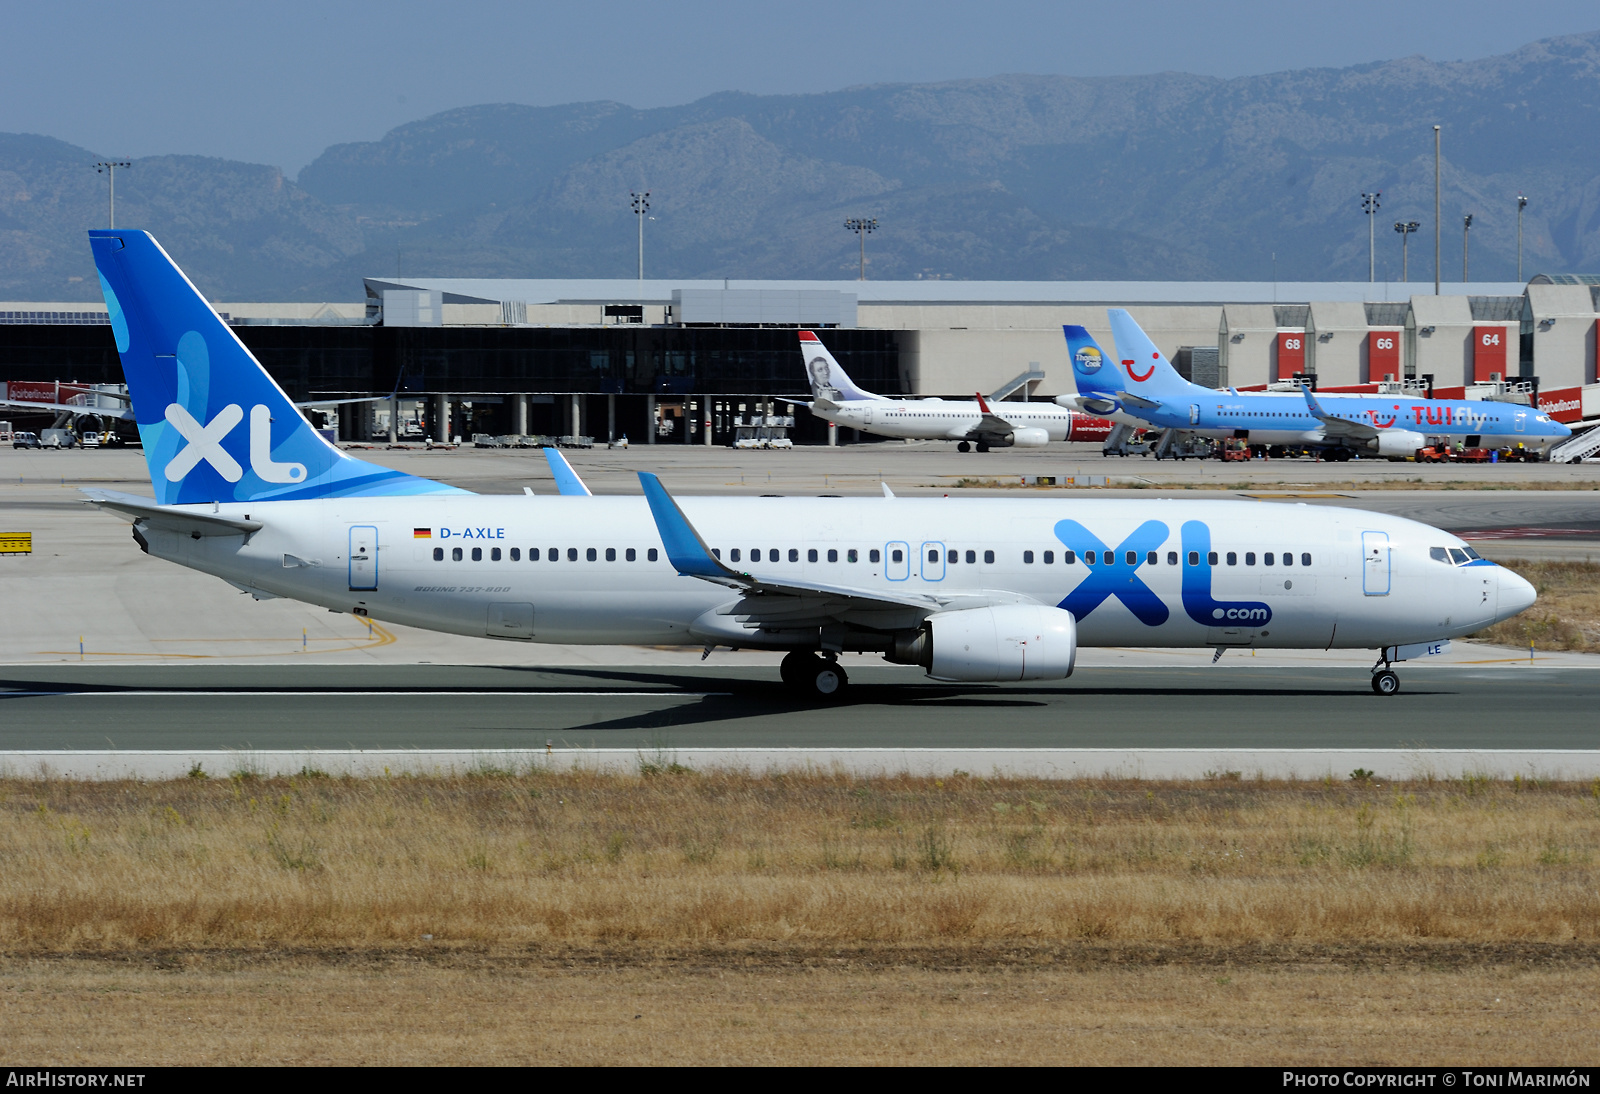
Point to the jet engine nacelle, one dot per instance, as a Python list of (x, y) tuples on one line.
[(1030, 437), (1008, 642), (1400, 442)]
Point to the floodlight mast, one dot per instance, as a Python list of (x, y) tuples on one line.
[(1522, 203), (1466, 230), (861, 227), (109, 167), (1405, 228), (1369, 202), (1438, 216), (641, 206)]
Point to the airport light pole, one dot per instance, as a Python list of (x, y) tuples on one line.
[(1437, 213), (861, 228), (109, 167), (641, 206), (1466, 230), (1405, 228), (1522, 203), (1369, 203)]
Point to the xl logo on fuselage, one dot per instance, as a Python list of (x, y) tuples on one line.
[(205, 444), (1114, 573)]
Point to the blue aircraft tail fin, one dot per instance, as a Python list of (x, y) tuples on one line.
[(1149, 373), (1092, 369), (215, 426)]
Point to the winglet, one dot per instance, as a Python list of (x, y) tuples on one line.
[(1311, 401), (567, 481), (686, 551), (983, 406), (886, 491)]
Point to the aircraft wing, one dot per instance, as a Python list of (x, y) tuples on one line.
[(1336, 428), (173, 518), (786, 601), (991, 422), (1130, 399)]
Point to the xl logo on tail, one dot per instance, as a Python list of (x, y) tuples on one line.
[(205, 443)]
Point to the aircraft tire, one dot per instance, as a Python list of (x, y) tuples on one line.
[(982, 447), (1385, 682), (963, 447), (825, 680), (794, 666)]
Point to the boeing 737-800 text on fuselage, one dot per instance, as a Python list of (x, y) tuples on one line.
[(969, 589), (836, 398)]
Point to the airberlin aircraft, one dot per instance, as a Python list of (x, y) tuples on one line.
[(837, 399), (979, 589), (1149, 388)]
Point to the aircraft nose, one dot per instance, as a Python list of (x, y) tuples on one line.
[(1516, 594)]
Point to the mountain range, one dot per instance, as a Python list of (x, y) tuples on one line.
[(1167, 176)]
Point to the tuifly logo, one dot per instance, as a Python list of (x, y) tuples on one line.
[(1147, 373), (205, 445)]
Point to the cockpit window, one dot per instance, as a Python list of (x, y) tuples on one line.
[(1472, 554), (1439, 554), (1458, 556)]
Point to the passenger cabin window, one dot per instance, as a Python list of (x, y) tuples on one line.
[(631, 555), (794, 555), (477, 554), (897, 555), (651, 555), (494, 554), (972, 556), (850, 555), (1288, 558), (953, 556), (833, 554), (811, 554), (1027, 557), (1305, 560), (611, 554), (734, 554), (1211, 558), (1233, 558), (1132, 558), (1089, 557), (1266, 559), (438, 553), (1049, 558), (455, 554), (1249, 558), (1172, 558), (772, 555), (590, 554), (572, 554), (873, 555), (933, 554), (516, 554), (1152, 558), (1069, 558), (988, 557), (1194, 558)]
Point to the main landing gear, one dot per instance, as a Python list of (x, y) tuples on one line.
[(963, 447), (1385, 681), (814, 676)]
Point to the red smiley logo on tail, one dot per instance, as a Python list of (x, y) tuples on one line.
[(1141, 377)]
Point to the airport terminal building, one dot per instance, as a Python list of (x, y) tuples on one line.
[(674, 361)]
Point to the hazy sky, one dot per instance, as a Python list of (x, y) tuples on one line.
[(278, 82)]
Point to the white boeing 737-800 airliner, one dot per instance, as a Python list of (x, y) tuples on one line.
[(980, 589), (836, 398)]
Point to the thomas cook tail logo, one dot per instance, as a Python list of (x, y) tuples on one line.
[(1088, 360), (205, 445)]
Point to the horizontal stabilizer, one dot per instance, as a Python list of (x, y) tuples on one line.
[(170, 517)]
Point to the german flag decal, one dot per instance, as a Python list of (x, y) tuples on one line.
[(422, 533)]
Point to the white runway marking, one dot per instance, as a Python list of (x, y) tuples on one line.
[(334, 692)]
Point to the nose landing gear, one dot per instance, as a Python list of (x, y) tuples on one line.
[(1385, 681)]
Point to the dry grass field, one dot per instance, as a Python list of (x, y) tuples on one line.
[(677, 916), (1567, 616)]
